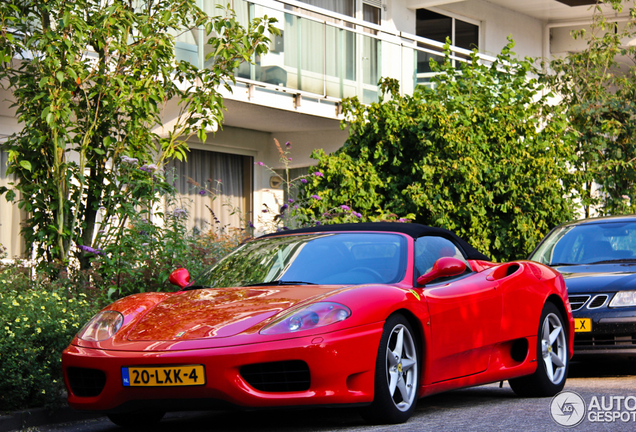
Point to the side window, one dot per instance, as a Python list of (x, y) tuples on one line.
[(430, 248)]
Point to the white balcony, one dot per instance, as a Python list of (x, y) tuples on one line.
[(322, 57)]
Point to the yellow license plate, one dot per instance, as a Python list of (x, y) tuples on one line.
[(163, 376), (582, 325)]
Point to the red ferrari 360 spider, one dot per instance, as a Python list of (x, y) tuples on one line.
[(374, 315)]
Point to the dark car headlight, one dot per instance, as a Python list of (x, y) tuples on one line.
[(623, 299), (309, 317), (102, 326)]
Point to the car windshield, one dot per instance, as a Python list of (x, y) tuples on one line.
[(596, 243), (330, 258)]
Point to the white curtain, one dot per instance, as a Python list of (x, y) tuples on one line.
[(344, 7), (212, 186), (10, 217)]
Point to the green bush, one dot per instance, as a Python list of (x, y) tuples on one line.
[(144, 257), (39, 319), (482, 152)]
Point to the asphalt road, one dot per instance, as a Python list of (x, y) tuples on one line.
[(485, 408)]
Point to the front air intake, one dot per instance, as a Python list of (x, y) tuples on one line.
[(86, 382), (276, 377)]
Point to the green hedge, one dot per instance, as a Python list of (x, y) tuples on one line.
[(39, 320)]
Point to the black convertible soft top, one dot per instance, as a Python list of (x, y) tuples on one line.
[(411, 229)]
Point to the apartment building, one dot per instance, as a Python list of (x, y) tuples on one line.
[(328, 50)]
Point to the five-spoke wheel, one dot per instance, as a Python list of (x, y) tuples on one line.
[(552, 357), (397, 374), (554, 348)]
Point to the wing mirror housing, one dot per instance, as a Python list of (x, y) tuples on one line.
[(180, 277), (443, 267)]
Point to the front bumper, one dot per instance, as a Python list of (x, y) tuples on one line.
[(341, 366), (613, 331)]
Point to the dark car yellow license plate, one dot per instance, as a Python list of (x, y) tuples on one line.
[(582, 325), (163, 376)]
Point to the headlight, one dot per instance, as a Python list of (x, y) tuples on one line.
[(102, 326), (309, 317), (624, 298)]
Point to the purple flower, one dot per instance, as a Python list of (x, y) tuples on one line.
[(318, 223), (403, 220), (345, 207), (264, 210), (289, 158), (283, 207), (145, 168), (179, 213), (90, 250), (202, 192), (302, 180), (288, 144), (316, 197), (296, 207), (250, 224), (129, 160), (358, 215), (259, 163), (318, 174), (290, 200)]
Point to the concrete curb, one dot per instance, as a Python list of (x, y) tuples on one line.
[(18, 420)]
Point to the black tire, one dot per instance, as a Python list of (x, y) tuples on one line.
[(397, 374), (137, 420), (552, 358)]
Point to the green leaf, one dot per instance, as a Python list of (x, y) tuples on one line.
[(26, 165)]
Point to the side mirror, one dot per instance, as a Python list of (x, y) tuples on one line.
[(443, 267), (180, 277)]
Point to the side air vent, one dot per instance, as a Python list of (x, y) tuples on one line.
[(285, 376), (577, 301), (86, 382), (598, 301)]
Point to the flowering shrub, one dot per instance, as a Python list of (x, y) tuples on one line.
[(148, 252), (309, 209), (39, 318)]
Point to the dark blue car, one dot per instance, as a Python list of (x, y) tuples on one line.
[(597, 258)]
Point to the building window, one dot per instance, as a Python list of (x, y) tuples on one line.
[(11, 216), (344, 7), (371, 13), (212, 187), (438, 27)]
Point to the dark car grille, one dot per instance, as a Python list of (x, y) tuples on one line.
[(282, 376), (577, 301), (86, 382), (598, 301), (603, 341)]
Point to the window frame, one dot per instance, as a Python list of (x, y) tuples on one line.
[(455, 16)]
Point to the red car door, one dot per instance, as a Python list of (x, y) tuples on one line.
[(465, 316)]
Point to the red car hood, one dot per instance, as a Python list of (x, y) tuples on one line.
[(221, 312)]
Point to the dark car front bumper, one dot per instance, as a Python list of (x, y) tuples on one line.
[(613, 330)]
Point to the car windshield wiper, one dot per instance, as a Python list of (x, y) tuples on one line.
[(619, 260), (562, 264), (281, 282)]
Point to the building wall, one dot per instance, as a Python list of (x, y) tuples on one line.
[(497, 23)]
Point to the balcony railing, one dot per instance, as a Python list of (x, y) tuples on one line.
[(326, 54)]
